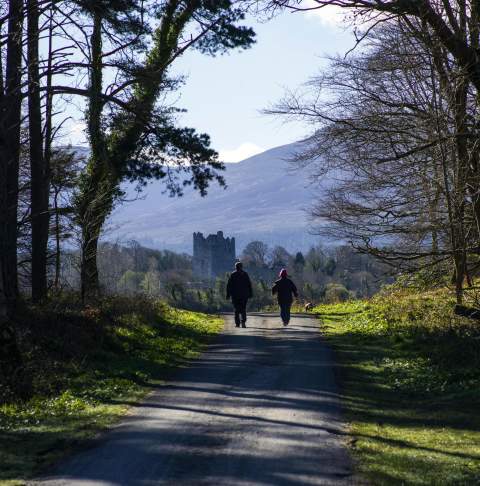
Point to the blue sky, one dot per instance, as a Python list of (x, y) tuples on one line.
[(224, 95)]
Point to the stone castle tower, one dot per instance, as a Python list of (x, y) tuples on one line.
[(213, 256)]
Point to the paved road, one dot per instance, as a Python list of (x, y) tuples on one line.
[(258, 408)]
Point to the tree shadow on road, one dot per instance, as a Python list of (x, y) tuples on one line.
[(256, 408), (260, 407)]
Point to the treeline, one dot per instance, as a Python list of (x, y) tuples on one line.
[(322, 275), (111, 61), (130, 269), (396, 127)]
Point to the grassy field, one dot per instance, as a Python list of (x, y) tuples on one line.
[(86, 366), (410, 377)]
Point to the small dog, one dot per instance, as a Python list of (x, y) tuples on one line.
[(309, 306)]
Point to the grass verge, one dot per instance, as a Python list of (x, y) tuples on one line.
[(85, 365), (410, 377)]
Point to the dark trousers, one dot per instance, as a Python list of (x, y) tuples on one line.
[(240, 306), (285, 311)]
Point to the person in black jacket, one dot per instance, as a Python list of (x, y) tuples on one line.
[(239, 289), (285, 289)]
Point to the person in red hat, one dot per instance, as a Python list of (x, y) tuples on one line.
[(285, 289)]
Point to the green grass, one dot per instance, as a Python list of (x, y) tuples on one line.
[(87, 387), (410, 380)]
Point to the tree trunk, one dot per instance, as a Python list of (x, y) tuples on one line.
[(10, 116), (89, 268), (462, 155), (92, 210), (56, 283), (3, 299), (39, 170), (459, 276)]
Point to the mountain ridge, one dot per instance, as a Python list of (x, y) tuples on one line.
[(264, 200)]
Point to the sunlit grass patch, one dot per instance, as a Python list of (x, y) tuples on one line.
[(94, 385), (410, 381)]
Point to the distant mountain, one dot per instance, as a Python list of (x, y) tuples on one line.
[(265, 200)]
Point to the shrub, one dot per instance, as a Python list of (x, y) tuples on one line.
[(336, 293)]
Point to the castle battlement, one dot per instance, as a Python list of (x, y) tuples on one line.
[(213, 256)]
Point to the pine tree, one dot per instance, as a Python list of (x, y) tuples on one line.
[(141, 140)]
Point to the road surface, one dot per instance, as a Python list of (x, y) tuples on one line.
[(259, 407)]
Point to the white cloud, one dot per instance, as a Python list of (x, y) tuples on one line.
[(240, 153), (330, 15), (78, 128), (75, 132)]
